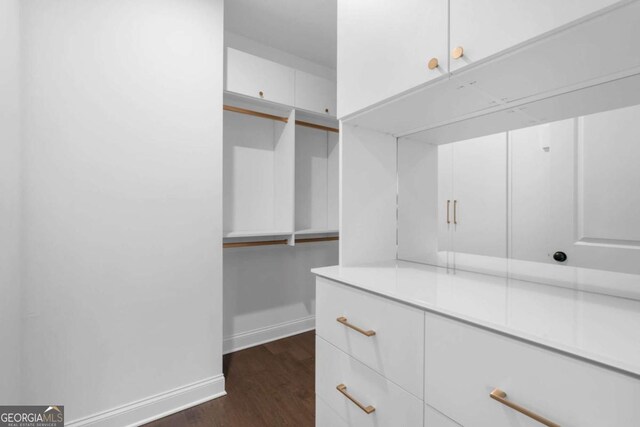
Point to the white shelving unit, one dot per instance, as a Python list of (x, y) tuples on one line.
[(316, 181), (259, 172), (280, 172)]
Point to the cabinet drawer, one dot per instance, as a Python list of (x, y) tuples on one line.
[(464, 364), (259, 78), (392, 406), (395, 351), (326, 417), (315, 94), (433, 418)]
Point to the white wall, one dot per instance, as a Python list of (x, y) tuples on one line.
[(368, 192), (269, 291), (10, 154), (254, 47), (123, 206)]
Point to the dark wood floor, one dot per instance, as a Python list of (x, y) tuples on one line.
[(269, 385)]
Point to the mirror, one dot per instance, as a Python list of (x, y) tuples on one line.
[(556, 203)]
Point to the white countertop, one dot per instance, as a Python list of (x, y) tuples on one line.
[(600, 328)]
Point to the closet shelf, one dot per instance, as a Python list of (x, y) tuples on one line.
[(256, 233), (309, 231), (277, 242)]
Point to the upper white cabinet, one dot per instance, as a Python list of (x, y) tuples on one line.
[(385, 47), (256, 77), (253, 76), (509, 64), (482, 28), (315, 94)]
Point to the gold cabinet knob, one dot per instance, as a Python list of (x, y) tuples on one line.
[(457, 52), (261, 93), (433, 63)]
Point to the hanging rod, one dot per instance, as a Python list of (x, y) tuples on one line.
[(315, 126), (255, 113), (318, 239), (277, 242)]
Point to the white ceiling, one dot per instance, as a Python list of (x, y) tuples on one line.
[(305, 28)]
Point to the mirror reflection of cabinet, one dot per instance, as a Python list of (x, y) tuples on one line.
[(509, 202), (452, 201)]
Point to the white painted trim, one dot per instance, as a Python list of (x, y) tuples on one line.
[(158, 406), (267, 334)]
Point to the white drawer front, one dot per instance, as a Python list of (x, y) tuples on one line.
[(393, 405), (251, 75), (433, 418), (316, 94), (326, 417), (397, 348), (463, 364)]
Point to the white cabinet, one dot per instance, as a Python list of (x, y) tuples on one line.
[(395, 347), (486, 27), (256, 77), (327, 417), (315, 94), (464, 364), (384, 48), (433, 418), (340, 377)]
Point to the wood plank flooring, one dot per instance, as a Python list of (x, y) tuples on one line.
[(268, 385)]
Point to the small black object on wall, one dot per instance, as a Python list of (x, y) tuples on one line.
[(560, 256)]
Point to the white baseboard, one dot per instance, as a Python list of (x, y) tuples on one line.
[(267, 334), (158, 406)]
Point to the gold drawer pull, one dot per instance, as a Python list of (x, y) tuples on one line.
[(455, 212), (343, 389), (344, 321), (501, 397)]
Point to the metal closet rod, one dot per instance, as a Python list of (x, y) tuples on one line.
[(277, 242), (277, 118)]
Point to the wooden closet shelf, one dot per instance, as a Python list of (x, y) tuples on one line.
[(315, 126), (277, 242), (255, 113)]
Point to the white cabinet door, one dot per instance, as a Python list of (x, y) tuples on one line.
[(315, 94), (392, 405), (485, 27), (396, 348), (326, 417), (464, 364), (479, 205), (259, 78), (384, 48)]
